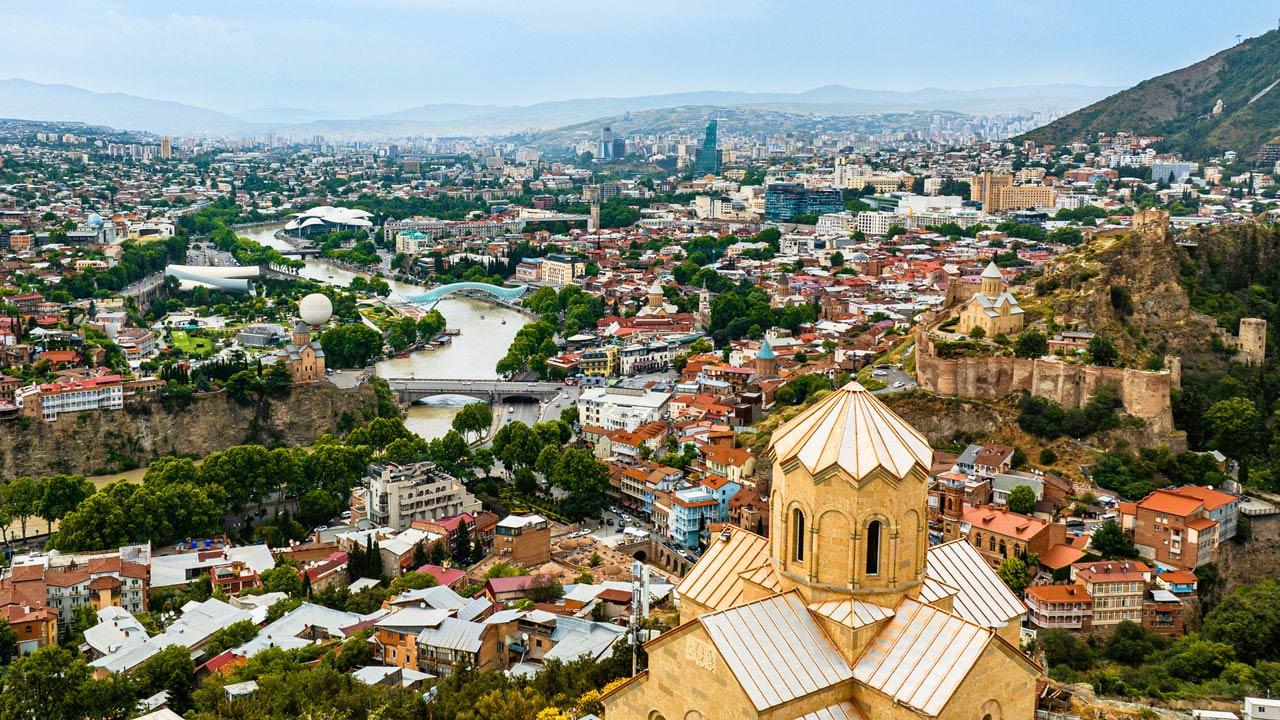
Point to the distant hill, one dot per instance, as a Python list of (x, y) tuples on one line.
[(28, 100), (1179, 105), (34, 101)]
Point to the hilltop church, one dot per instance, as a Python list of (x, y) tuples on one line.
[(993, 308), (844, 612)]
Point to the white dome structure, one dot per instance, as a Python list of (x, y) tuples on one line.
[(315, 309)]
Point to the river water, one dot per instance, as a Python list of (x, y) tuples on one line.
[(487, 332)]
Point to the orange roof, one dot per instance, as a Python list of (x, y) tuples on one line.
[(1211, 498), (1112, 570), (725, 455), (1060, 556), (1202, 524), (1004, 522), (1179, 577), (1170, 503), (1059, 593)]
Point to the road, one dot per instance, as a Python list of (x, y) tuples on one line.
[(532, 413), (892, 377)]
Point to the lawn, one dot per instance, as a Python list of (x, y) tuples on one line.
[(190, 345)]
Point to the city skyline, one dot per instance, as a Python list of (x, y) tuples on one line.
[(350, 58)]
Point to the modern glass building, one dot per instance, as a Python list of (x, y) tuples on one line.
[(785, 200), (708, 161)]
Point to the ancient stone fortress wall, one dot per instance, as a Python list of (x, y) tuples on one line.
[(1145, 394)]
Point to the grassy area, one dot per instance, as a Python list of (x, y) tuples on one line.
[(181, 340)]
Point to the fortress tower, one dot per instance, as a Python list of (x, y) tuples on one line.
[(1253, 341)]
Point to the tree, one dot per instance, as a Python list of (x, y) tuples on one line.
[(525, 482), (977, 332), (1248, 620), (60, 494), (282, 578), (317, 507), (473, 418), (1031, 344), (1102, 351), (172, 671), (8, 642), (1131, 644), (1234, 426), (460, 545), (585, 480), (545, 589), (1015, 573), (1110, 542), (22, 497), (411, 580), (53, 683), (1022, 500), (231, 636)]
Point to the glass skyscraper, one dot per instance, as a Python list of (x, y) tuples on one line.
[(708, 161)]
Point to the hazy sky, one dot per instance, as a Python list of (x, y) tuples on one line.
[(358, 57)]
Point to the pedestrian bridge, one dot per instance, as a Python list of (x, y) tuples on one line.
[(435, 295), (411, 390)]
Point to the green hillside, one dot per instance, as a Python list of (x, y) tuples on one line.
[(1179, 105)]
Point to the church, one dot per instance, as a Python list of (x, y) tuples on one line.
[(844, 612), (993, 308)]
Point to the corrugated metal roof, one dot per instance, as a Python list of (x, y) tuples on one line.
[(932, 590), (715, 581), (852, 613), (852, 429), (983, 597), (921, 656), (454, 634), (775, 649), (844, 711)]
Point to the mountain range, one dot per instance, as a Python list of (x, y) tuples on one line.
[(1183, 106), (23, 99)]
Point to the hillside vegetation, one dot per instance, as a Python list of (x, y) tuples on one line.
[(1179, 105)]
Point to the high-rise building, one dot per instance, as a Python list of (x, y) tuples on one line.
[(166, 148), (785, 200), (708, 162), (611, 147)]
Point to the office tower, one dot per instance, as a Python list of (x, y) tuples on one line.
[(708, 162)]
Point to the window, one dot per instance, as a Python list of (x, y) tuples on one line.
[(797, 520), (873, 547)]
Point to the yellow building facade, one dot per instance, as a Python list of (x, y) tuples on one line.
[(994, 308), (844, 611)]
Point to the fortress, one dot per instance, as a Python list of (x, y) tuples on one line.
[(1145, 394)]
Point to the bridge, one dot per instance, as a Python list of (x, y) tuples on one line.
[(411, 390), (435, 295), (303, 252)]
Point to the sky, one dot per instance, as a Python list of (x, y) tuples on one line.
[(359, 57)]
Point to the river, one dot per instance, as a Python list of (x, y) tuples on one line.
[(487, 332)]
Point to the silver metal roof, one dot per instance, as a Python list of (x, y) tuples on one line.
[(775, 650), (983, 597), (843, 711), (454, 634), (852, 613), (921, 656)]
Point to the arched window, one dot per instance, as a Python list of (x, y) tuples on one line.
[(797, 522), (873, 547), (1004, 551)]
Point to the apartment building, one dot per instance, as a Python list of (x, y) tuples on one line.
[(1173, 528), (396, 495), (1062, 607), (1117, 587), (998, 533), (46, 401), (561, 270), (98, 582), (997, 193), (523, 539), (617, 407)]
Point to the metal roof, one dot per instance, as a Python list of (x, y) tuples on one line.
[(853, 430), (843, 711), (852, 613), (983, 597), (454, 634), (933, 590), (716, 580), (921, 656), (775, 650)]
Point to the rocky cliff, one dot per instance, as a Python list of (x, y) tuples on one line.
[(105, 441)]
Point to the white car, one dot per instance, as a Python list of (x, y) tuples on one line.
[(899, 384)]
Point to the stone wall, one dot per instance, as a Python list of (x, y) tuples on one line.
[(1145, 394), (104, 441)]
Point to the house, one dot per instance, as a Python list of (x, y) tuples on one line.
[(1064, 607), (1117, 587), (1220, 507), (999, 533), (523, 539), (1172, 529), (734, 464)]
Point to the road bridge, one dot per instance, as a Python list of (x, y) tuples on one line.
[(411, 390)]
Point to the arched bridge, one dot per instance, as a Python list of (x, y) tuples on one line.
[(435, 295), (411, 390)]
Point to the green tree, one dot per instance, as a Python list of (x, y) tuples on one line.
[(1101, 351), (1022, 500), (231, 636), (282, 578), (172, 671), (60, 494), (1131, 644), (8, 642), (22, 497), (461, 548), (317, 507), (1031, 344), (1015, 573), (1248, 620), (1110, 542), (585, 480), (1234, 426)]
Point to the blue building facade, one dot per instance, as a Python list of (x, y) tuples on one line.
[(785, 200)]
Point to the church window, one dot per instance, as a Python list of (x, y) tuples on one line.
[(797, 520), (873, 547)]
